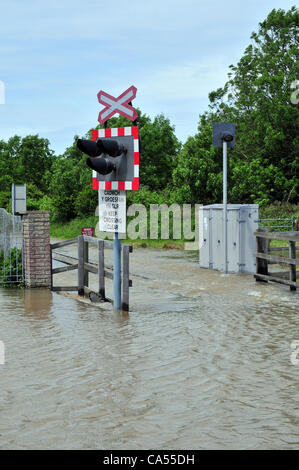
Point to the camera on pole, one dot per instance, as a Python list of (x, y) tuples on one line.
[(227, 137), (223, 132), (224, 136)]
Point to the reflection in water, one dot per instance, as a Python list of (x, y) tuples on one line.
[(202, 361), (37, 302)]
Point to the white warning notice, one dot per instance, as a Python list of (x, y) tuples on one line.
[(112, 211)]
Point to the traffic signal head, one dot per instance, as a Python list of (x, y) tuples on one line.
[(100, 165), (113, 155), (89, 147), (111, 147), (101, 146), (112, 158), (105, 148)]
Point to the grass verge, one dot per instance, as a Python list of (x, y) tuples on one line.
[(73, 228)]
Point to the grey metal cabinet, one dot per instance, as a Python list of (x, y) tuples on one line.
[(242, 222)]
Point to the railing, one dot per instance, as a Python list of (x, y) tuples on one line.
[(11, 249), (280, 225), (85, 266), (263, 258)]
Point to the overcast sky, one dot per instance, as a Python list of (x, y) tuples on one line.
[(55, 56)]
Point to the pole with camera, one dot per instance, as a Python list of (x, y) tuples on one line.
[(224, 136)]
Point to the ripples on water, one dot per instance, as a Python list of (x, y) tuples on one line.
[(214, 372)]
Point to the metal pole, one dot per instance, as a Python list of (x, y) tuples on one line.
[(225, 204), (117, 272)]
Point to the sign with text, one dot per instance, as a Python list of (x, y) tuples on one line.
[(112, 211), (88, 231)]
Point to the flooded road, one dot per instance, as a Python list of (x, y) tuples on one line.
[(202, 361)]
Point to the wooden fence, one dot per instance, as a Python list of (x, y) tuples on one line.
[(86, 266), (264, 257)]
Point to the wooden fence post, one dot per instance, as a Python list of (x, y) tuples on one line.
[(84, 265), (101, 269), (81, 265), (261, 247), (86, 258), (292, 254), (51, 263)]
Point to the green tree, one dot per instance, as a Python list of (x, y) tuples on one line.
[(198, 175), (159, 150), (9, 170), (263, 166), (70, 186), (35, 160), (25, 160)]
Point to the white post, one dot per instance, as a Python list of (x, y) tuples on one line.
[(225, 204)]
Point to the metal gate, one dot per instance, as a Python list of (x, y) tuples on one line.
[(11, 250)]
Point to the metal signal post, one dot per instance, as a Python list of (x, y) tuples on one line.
[(224, 136), (225, 203), (117, 272)]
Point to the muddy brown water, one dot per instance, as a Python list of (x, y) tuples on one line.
[(201, 362)]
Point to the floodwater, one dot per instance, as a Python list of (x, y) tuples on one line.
[(203, 361)]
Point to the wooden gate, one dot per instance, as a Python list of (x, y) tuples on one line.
[(264, 258), (85, 266)]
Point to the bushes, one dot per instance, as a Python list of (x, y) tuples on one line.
[(72, 229), (280, 210)]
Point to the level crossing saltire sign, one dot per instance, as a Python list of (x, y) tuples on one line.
[(118, 185), (118, 105)]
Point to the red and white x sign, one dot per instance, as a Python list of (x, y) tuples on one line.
[(117, 105)]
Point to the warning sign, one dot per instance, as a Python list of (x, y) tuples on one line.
[(87, 231), (112, 211)]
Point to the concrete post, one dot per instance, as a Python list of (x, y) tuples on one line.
[(36, 249)]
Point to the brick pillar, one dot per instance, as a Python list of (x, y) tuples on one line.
[(36, 245)]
